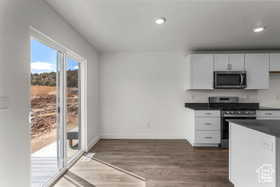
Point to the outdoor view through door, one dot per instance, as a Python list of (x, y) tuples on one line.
[(72, 107), (55, 111)]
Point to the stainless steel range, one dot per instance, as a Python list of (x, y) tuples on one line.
[(232, 109), (226, 115)]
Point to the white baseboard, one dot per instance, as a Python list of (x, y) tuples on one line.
[(188, 140), (92, 143), (204, 145), (140, 136)]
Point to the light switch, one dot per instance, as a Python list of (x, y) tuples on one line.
[(4, 102)]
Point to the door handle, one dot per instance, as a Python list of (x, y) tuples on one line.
[(30, 118)]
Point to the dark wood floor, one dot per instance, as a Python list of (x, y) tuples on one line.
[(167, 163)]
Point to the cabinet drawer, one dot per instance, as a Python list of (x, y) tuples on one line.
[(208, 124), (207, 113), (208, 137), (268, 113)]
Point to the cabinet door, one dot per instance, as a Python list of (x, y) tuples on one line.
[(229, 62), (201, 71), (236, 62), (269, 115), (221, 62), (274, 61), (208, 137), (257, 67)]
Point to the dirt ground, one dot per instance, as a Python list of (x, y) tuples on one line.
[(44, 114)]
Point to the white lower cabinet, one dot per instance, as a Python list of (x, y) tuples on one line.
[(268, 115), (204, 127), (207, 137), (207, 124)]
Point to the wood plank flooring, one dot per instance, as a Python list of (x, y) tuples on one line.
[(167, 163), (162, 163)]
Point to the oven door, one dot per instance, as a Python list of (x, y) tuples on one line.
[(230, 80), (225, 129)]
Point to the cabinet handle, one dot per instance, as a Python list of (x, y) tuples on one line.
[(208, 113), (208, 123), (208, 137), (268, 113)]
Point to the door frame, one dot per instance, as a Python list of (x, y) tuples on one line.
[(38, 35)]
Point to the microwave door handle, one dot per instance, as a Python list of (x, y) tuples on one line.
[(242, 79)]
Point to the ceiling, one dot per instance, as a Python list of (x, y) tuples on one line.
[(128, 25)]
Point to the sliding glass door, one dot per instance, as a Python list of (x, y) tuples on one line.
[(73, 107), (55, 111)]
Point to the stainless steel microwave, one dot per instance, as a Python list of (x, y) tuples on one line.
[(230, 79)]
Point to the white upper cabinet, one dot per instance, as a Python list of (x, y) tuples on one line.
[(257, 67), (221, 62), (201, 68), (229, 62), (274, 60), (200, 71), (237, 62)]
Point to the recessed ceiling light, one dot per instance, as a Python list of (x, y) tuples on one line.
[(160, 21), (259, 29)]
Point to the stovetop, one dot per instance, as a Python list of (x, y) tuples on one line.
[(234, 106), (239, 113)]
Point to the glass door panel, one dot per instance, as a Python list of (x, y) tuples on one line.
[(73, 100), (45, 162), (55, 116)]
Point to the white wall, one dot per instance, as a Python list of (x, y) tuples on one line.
[(142, 95), (271, 96), (15, 18)]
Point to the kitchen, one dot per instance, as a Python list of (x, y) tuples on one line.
[(225, 122)]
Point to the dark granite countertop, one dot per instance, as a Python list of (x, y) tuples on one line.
[(200, 106), (206, 106), (268, 108), (271, 127)]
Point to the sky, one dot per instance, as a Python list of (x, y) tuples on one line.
[(44, 59)]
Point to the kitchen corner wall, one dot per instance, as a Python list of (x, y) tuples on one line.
[(142, 95)]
